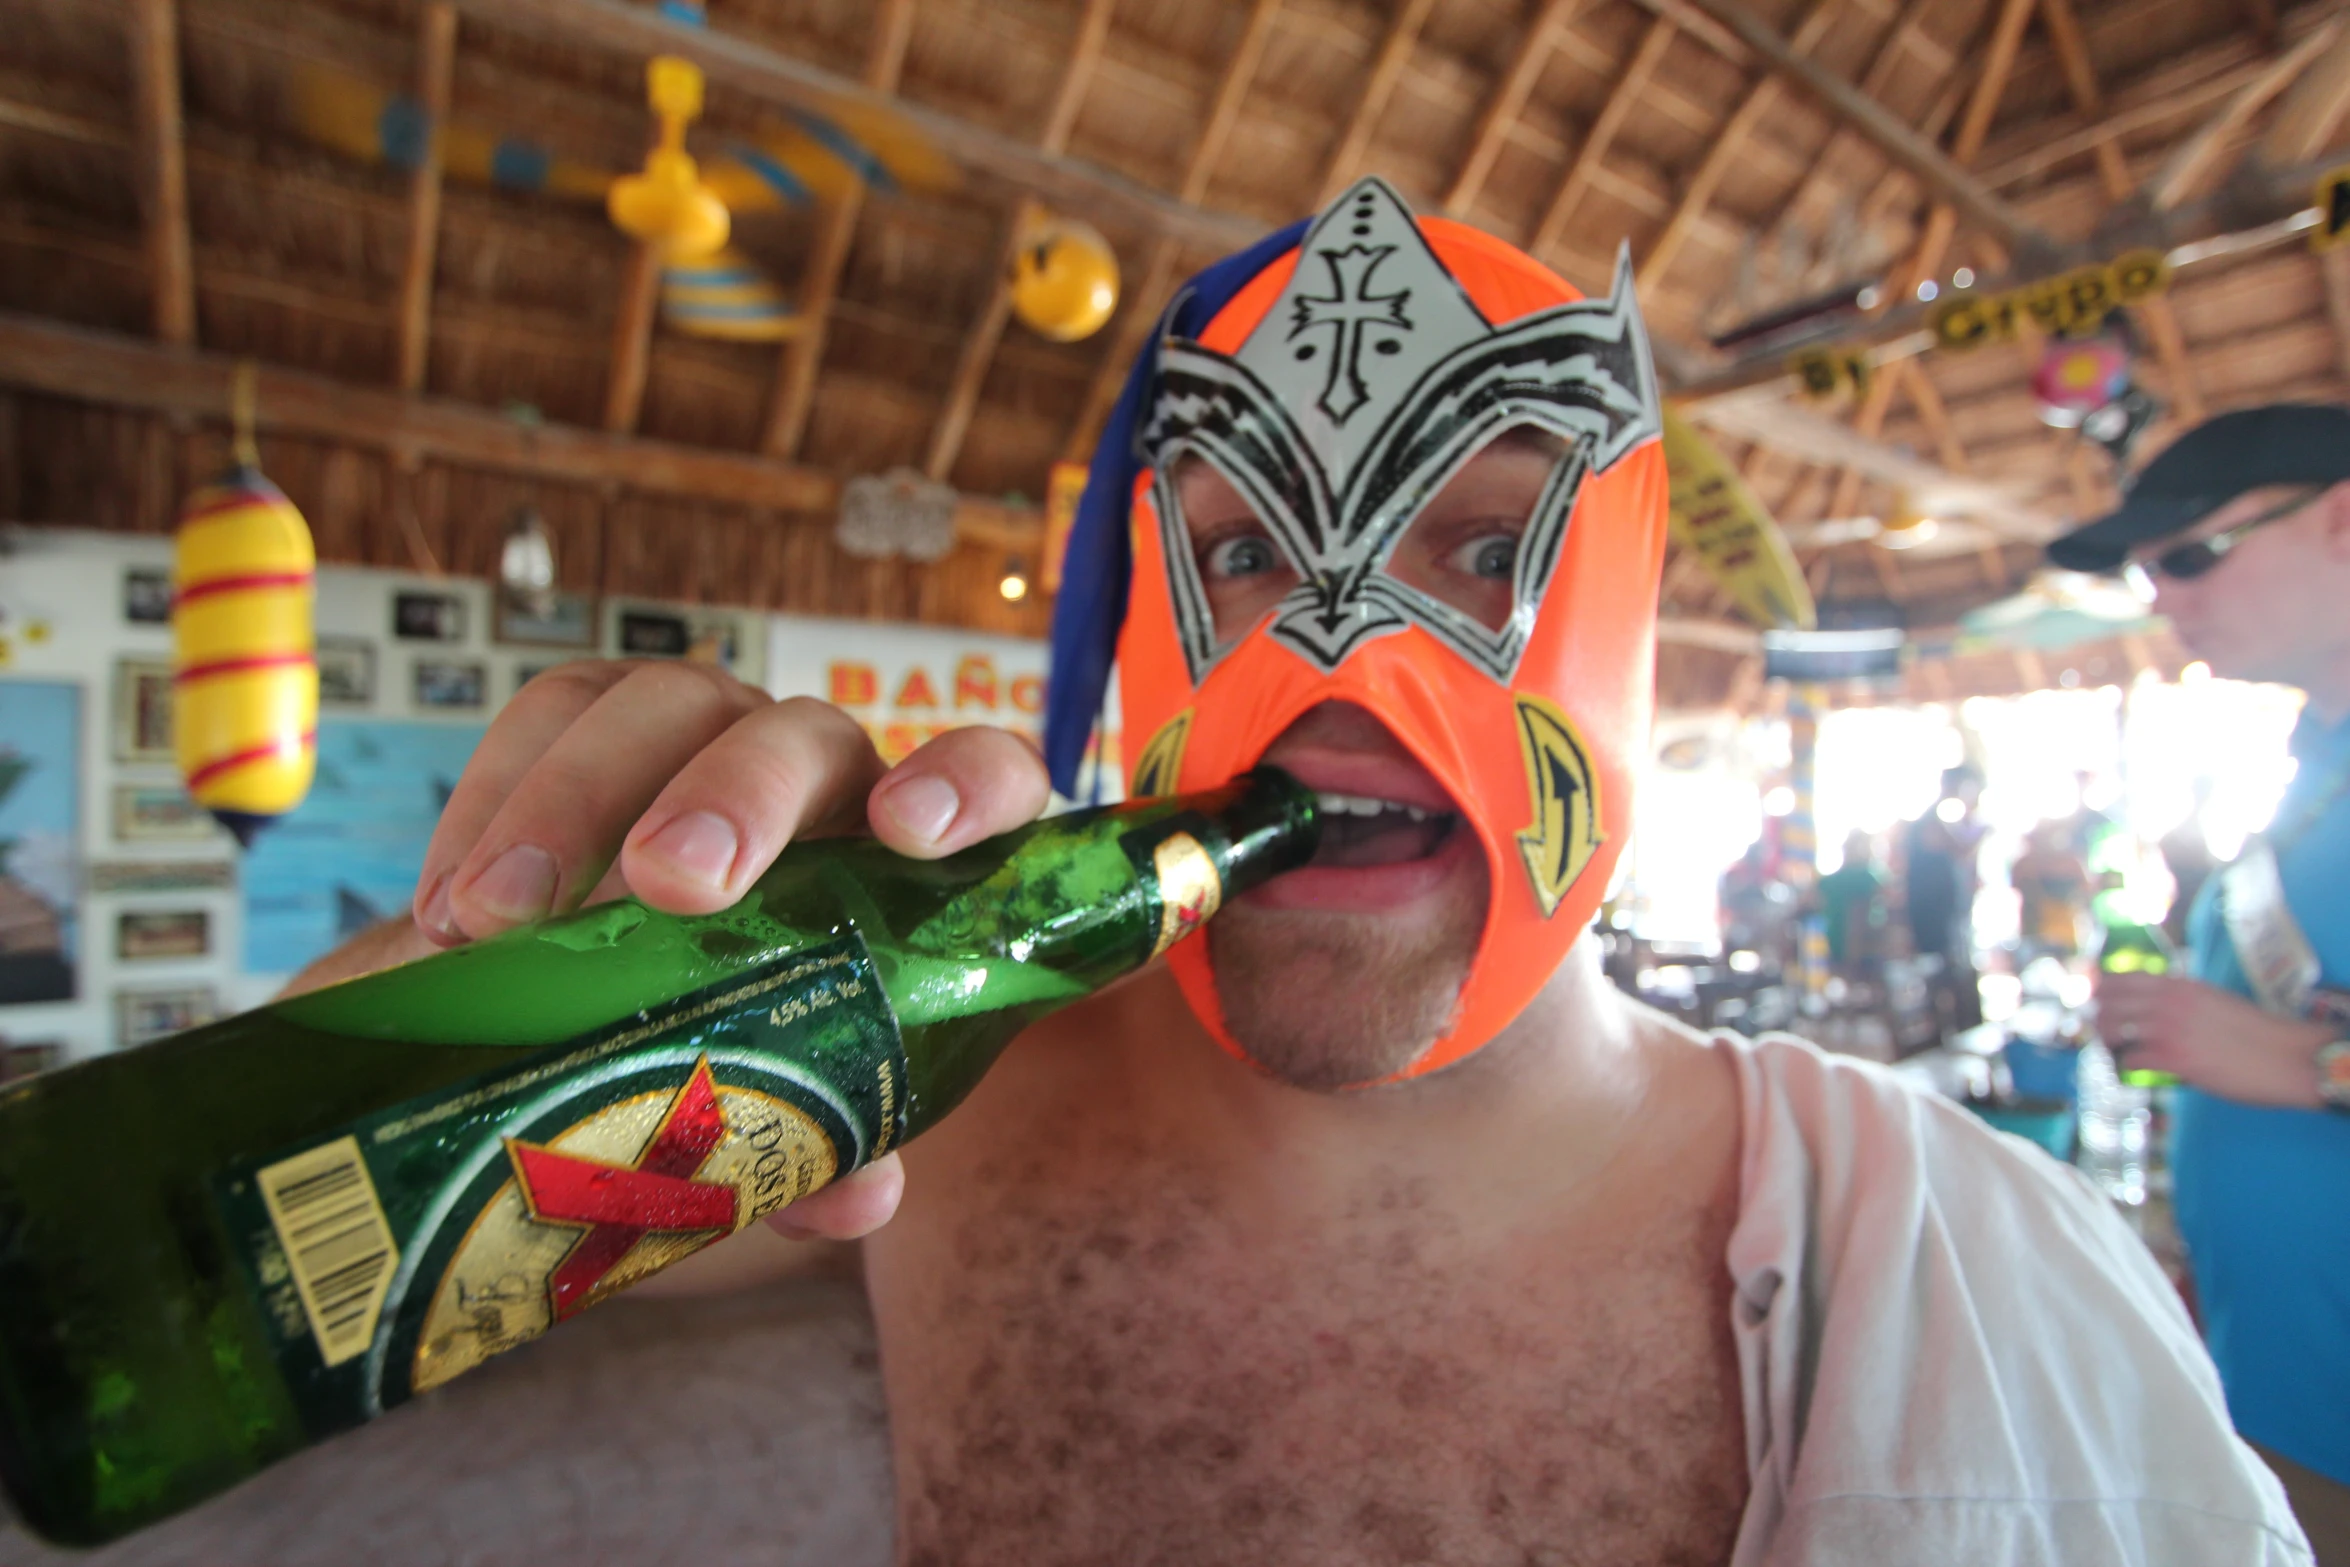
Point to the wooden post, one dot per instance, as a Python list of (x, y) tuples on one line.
[(163, 169), (632, 340), (794, 392), (436, 52)]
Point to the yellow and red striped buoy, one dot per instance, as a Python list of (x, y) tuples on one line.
[(245, 680)]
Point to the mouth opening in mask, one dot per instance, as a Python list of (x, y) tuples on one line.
[(1362, 830)]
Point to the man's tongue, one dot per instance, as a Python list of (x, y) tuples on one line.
[(1358, 832)]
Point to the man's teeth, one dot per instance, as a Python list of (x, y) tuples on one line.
[(1337, 804)]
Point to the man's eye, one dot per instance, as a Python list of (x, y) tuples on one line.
[(1495, 556), (1247, 556)]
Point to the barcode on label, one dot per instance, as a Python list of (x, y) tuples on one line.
[(337, 1241)]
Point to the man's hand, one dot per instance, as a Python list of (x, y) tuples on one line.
[(2212, 1038), (680, 784)]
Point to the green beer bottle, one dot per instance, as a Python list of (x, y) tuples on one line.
[(2133, 947), (221, 1248)]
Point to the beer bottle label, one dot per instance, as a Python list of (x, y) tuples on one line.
[(404, 1249)]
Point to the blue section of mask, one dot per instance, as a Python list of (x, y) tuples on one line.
[(1097, 572)]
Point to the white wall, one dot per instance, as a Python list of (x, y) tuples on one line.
[(61, 619)]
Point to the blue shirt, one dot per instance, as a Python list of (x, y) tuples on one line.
[(2264, 1194)]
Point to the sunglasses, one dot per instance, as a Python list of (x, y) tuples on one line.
[(2185, 562)]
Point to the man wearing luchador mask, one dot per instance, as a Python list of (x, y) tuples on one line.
[(1375, 1227)]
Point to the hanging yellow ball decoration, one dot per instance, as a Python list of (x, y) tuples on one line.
[(1064, 278)]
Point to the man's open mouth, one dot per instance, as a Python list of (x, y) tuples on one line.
[(1358, 830)]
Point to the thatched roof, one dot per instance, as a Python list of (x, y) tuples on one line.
[(1568, 125)]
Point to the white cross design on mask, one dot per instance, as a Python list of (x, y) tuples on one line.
[(1352, 308)]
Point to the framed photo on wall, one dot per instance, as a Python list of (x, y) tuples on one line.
[(146, 596), (147, 935), (142, 1015), (428, 617), (346, 672), (160, 813), (142, 710), (647, 634), (446, 684), (570, 621)]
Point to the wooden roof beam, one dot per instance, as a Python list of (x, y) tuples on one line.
[(436, 57), (163, 169), (2007, 35), (731, 61), (631, 359), (123, 372), (1758, 101), (1945, 177), (1507, 102), (2200, 155), (1159, 272), (2313, 112), (794, 393), (962, 399), (2113, 172), (1394, 53), (1646, 56)]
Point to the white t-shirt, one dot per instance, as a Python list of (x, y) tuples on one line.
[(1953, 1350)]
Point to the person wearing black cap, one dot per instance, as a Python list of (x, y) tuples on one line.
[(2240, 534)]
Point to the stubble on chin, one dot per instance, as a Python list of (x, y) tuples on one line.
[(1326, 1002)]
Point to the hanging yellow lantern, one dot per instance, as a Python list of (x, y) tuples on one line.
[(1064, 277), (668, 206), (245, 678)]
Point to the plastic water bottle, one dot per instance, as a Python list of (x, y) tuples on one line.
[(2115, 1119)]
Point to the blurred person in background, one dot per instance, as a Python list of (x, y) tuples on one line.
[(1852, 907), (1939, 880), (2239, 533), (2051, 880)]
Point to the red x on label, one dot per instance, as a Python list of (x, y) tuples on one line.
[(619, 1203)]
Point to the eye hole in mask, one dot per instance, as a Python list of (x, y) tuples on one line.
[(1461, 549)]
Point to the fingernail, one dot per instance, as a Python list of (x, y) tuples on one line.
[(433, 913), (699, 843), (924, 804), (519, 885)]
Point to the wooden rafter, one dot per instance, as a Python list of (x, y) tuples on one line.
[(1159, 272), (1507, 102), (1945, 176), (163, 170), (122, 372), (771, 76), (2314, 110), (1934, 414), (1888, 58), (2007, 33), (2113, 172), (1394, 53), (632, 339), (2334, 271), (436, 55), (1728, 143), (979, 345), (1649, 53), (2202, 153), (794, 392)]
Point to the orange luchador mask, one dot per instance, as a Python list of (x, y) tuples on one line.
[(1337, 376)]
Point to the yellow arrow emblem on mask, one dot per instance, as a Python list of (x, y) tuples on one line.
[(1155, 770), (1564, 790)]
